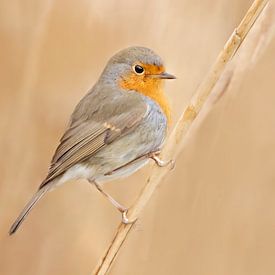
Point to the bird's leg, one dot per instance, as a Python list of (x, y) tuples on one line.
[(160, 162), (123, 210)]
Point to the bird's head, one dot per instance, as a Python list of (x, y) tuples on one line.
[(138, 69)]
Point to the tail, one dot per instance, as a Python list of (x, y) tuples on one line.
[(40, 193)]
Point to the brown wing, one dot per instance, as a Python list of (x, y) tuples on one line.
[(83, 140)]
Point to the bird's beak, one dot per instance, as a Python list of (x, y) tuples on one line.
[(163, 75)]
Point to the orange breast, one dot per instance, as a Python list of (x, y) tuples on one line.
[(151, 87)]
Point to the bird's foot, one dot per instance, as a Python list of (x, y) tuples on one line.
[(123, 210), (160, 162)]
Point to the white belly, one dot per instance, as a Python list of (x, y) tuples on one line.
[(80, 171)]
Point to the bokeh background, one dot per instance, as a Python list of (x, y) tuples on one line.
[(213, 214)]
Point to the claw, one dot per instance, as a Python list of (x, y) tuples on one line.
[(125, 219), (162, 163)]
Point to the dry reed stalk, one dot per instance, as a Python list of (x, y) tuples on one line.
[(176, 141)]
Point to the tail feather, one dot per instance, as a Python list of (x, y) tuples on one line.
[(40, 193)]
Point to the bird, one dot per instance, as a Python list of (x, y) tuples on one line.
[(115, 129)]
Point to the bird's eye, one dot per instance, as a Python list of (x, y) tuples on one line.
[(138, 69)]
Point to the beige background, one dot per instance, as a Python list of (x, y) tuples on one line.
[(213, 214)]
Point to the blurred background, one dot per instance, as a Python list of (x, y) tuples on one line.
[(213, 214)]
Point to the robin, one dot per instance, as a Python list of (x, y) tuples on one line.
[(115, 129)]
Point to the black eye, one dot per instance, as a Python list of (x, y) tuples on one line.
[(138, 69)]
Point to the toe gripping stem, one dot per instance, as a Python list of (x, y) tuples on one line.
[(162, 163)]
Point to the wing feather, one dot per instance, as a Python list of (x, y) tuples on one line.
[(84, 139)]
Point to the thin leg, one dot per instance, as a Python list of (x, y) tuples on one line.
[(161, 163), (123, 210), (111, 199)]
